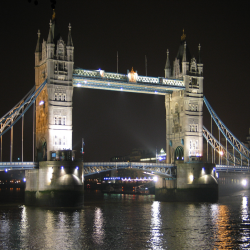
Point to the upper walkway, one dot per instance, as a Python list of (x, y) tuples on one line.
[(99, 79)]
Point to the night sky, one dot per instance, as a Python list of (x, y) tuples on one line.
[(114, 123)]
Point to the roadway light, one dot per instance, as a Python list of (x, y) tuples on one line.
[(221, 153), (41, 102), (155, 178)]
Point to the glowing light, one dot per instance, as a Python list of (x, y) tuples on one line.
[(203, 171), (62, 167), (79, 84), (6, 170), (217, 175), (155, 178), (24, 179), (155, 92), (121, 88), (191, 177), (41, 102), (221, 153), (244, 182), (77, 168)]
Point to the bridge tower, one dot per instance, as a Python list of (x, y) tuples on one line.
[(54, 61), (184, 108)]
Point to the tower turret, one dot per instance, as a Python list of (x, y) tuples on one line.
[(185, 63), (38, 49), (199, 64), (167, 67)]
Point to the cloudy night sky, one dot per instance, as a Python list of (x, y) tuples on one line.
[(114, 123)]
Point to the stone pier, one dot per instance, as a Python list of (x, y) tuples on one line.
[(194, 182), (55, 184)]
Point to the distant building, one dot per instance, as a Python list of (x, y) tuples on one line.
[(141, 155)]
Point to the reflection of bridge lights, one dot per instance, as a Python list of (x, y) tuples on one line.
[(155, 178), (244, 182)]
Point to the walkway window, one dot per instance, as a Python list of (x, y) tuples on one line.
[(55, 120), (59, 121), (64, 97), (63, 120)]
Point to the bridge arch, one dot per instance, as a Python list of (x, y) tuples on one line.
[(179, 153)]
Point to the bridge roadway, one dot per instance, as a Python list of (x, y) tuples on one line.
[(167, 170), (99, 79)]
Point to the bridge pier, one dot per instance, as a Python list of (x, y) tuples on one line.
[(55, 184), (194, 182)]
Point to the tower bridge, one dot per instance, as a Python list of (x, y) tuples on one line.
[(182, 86)]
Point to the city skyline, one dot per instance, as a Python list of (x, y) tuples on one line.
[(113, 123)]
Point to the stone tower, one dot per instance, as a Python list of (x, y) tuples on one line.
[(184, 108), (54, 61)]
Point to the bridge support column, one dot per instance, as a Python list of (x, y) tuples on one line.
[(194, 182), (55, 184)]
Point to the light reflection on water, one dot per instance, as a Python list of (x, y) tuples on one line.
[(129, 222)]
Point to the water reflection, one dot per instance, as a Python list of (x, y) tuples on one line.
[(245, 232), (98, 230), (156, 235)]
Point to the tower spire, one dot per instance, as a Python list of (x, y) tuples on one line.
[(38, 46), (50, 37), (70, 42), (199, 53), (184, 57), (167, 66)]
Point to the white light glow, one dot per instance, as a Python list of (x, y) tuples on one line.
[(221, 153), (41, 102), (244, 182), (24, 179), (79, 84), (155, 178), (191, 177)]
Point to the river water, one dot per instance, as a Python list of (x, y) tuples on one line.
[(119, 221)]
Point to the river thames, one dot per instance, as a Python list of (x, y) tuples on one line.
[(123, 221)]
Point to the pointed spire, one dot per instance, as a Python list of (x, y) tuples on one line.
[(199, 53), (50, 37), (184, 58), (38, 46), (70, 42), (167, 66)]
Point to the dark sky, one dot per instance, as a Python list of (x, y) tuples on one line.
[(113, 123)]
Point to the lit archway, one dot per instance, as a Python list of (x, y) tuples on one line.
[(179, 154)]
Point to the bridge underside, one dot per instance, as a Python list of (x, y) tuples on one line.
[(165, 170)]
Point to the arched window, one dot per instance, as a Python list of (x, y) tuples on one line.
[(55, 120), (59, 121)]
